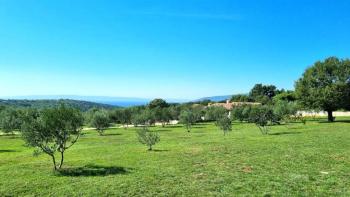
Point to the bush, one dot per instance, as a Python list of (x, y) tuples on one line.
[(147, 137)]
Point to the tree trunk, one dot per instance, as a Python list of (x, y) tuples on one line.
[(330, 116), (150, 148), (61, 163), (54, 162)]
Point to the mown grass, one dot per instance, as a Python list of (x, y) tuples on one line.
[(294, 160)]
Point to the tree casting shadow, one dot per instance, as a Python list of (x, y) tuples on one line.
[(93, 170)]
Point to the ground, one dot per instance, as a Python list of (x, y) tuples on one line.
[(294, 160)]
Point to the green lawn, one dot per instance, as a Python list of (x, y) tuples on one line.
[(298, 160)]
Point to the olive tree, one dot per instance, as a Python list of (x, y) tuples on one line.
[(224, 124), (10, 120), (262, 116), (147, 137), (52, 131), (326, 86), (100, 120), (187, 118)]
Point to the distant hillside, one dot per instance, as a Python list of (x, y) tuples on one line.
[(115, 101), (82, 105)]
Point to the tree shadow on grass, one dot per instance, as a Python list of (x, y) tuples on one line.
[(8, 151), (340, 121), (159, 150), (162, 130), (93, 170), (111, 134), (173, 126), (286, 133)]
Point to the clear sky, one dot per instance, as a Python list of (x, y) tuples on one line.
[(164, 48)]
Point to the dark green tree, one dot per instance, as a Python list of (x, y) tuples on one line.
[(158, 103), (326, 86)]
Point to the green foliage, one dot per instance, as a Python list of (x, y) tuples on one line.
[(241, 113), (262, 116), (147, 137), (158, 103), (325, 85), (52, 130), (10, 120), (214, 113), (100, 120), (289, 96), (241, 98), (143, 117), (225, 124), (263, 93), (188, 119)]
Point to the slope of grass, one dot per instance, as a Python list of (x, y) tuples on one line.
[(294, 160)]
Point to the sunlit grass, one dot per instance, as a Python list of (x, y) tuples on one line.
[(302, 160)]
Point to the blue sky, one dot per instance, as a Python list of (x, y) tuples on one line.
[(164, 48)]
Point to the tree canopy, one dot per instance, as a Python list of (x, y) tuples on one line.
[(326, 86)]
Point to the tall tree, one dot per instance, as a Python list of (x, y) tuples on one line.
[(326, 86), (52, 130)]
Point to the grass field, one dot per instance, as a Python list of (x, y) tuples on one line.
[(298, 160)]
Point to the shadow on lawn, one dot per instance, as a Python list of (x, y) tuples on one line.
[(285, 133), (7, 151), (340, 121), (111, 134), (93, 170), (163, 130), (159, 150)]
